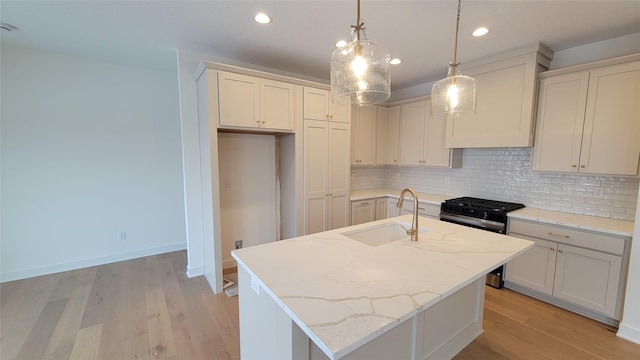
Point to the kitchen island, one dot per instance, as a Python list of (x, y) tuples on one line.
[(327, 295)]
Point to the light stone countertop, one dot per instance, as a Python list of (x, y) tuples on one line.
[(577, 221), (343, 293), (585, 222), (395, 193)]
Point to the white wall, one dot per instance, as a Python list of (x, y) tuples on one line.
[(504, 174), (630, 325), (248, 194), (89, 149)]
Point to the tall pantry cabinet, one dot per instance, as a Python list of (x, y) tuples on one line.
[(236, 105), (326, 162)]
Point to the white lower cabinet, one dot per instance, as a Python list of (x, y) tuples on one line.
[(381, 208), (424, 209), (363, 211), (581, 269)]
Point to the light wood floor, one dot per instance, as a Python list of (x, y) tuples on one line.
[(148, 309)]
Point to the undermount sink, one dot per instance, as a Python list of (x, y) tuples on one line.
[(381, 234)]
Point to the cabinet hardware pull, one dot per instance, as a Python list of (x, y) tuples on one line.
[(364, 203), (552, 249), (574, 165), (419, 208), (559, 235), (560, 251), (583, 166)]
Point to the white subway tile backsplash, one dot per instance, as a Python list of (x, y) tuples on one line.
[(504, 174)]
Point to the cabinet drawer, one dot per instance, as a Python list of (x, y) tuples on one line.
[(563, 235), (424, 209)]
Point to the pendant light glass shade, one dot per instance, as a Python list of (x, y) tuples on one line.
[(454, 94), (360, 70)]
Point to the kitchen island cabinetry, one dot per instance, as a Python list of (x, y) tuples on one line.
[(328, 296), (248, 102), (589, 121), (578, 269), (422, 138), (363, 134), (326, 175), (318, 106), (506, 91)]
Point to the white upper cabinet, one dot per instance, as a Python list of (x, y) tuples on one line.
[(251, 102), (318, 106), (506, 92), (363, 135), (422, 138), (392, 135), (589, 121), (388, 132)]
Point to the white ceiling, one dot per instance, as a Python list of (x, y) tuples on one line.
[(303, 33)]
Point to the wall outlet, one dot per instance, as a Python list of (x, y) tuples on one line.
[(238, 244), (122, 236)]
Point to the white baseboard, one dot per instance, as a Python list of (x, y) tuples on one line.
[(79, 264), (229, 263), (629, 333), (195, 271)]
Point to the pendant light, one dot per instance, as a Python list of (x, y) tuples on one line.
[(360, 69), (456, 93)]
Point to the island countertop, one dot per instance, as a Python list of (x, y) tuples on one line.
[(343, 293)]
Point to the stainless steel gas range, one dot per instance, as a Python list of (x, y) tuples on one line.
[(489, 215)]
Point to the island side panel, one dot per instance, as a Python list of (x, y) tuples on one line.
[(266, 331), (450, 325)]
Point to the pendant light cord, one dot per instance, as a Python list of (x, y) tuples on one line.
[(455, 48), (358, 26)]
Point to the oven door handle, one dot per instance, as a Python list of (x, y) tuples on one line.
[(493, 225)]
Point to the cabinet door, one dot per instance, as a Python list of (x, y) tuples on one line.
[(339, 170), (340, 112), (435, 152), (364, 135), (392, 208), (362, 211), (316, 163), (611, 141), (505, 94), (381, 135), (535, 268), (276, 105), (238, 100), (561, 110), (393, 135), (316, 104), (412, 128), (588, 278), (381, 208)]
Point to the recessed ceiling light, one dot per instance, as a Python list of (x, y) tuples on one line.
[(341, 43), (262, 18), (395, 61), (481, 31)]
